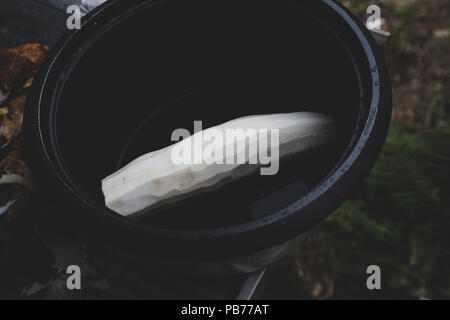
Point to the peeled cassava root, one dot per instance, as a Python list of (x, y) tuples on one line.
[(212, 157)]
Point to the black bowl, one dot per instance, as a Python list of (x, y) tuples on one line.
[(137, 70)]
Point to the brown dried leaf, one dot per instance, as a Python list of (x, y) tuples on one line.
[(13, 71), (12, 118), (35, 52), (17, 64), (17, 68), (12, 165), (28, 83)]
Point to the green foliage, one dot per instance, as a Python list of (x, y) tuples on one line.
[(400, 218)]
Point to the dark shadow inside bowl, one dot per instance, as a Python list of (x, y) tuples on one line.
[(165, 68)]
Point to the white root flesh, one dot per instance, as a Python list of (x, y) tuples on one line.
[(154, 179)]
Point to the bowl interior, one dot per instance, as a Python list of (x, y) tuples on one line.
[(167, 66)]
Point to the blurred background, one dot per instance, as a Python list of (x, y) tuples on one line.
[(399, 218)]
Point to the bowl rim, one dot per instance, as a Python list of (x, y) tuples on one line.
[(266, 232)]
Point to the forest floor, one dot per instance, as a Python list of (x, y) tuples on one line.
[(399, 219)]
